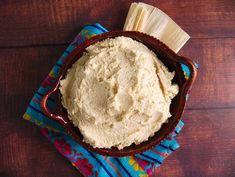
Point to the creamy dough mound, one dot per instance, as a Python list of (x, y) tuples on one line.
[(118, 93)]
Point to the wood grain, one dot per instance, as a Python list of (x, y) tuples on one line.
[(51, 22), (23, 150), (23, 70), (215, 83), (207, 146), (201, 139), (32, 37), (205, 151), (214, 87)]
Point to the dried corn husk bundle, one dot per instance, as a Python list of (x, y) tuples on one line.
[(151, 20)]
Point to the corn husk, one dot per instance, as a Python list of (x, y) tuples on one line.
[(151, 20)]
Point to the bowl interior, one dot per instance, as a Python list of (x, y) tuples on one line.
[(168, 57)]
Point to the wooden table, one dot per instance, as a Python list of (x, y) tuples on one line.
[(33, 35)]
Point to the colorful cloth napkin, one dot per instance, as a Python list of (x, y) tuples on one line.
[(89, 163)]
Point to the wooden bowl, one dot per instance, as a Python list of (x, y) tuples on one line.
[(166, 55)]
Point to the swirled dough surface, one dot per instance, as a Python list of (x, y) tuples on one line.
[(118, 93)]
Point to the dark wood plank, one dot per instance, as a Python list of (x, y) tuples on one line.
[(207, 139), (22, 70), (51, 22), (207, 146), (215, 84), (214, 87), (23, 150)]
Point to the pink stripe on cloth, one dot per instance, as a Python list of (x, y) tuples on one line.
[(159, 153), (113, 166), (36, 100)]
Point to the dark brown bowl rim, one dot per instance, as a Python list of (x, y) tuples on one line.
[(64, 121)]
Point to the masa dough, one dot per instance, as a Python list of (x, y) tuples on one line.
[(118, 93)]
